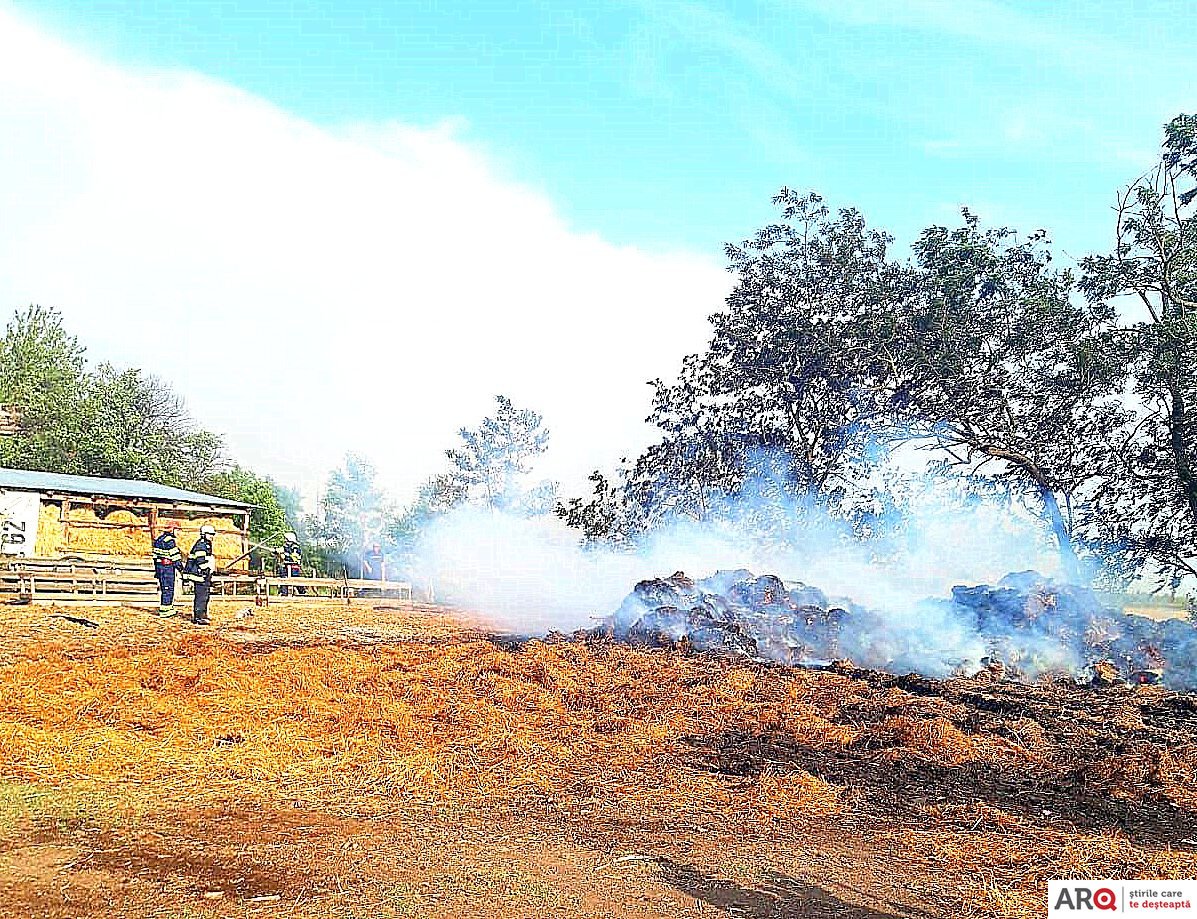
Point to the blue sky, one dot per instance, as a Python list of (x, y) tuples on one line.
[(419, 206), (670, 124)]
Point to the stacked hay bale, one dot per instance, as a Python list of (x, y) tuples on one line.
[(227, 544), (123, 534), (51, 533)]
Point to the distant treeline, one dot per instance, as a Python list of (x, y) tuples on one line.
[(1068, 392), (72, 417), (63, 414)]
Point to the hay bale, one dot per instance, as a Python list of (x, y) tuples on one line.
[(123, 533), (120, 532), (51, 533)]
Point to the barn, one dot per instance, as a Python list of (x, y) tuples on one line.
[(49, 521)]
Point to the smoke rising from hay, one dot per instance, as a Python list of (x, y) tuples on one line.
[(905, 602), (532, 574)]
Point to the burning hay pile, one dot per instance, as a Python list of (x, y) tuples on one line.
[(1026, 626)]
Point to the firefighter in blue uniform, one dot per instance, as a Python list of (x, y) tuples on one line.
[(374, 564), (290, 563), (201, 565), (167, 560)]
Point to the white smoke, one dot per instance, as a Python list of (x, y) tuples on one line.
[(532, 574)]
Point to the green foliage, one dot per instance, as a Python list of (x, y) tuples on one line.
[(792, 389), (138, 428), (116, 423), (490, 468), (830, 353), (436, 496), (1012, 381), (104, 422), (1151, 511), (607, 516), (789, 371), (268, 520), (42, 373), (493, 461), (1180, 153)]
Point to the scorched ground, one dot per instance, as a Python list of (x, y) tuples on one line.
[(317, 760)]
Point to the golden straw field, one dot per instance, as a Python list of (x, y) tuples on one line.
[(385, 759)]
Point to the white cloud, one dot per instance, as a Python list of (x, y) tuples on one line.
[(311, 291)]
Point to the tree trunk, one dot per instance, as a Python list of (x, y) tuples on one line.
[(1178, 428), (1055, 518), (1068, 559)]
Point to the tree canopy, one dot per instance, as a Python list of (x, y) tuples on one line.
[(492, 463), (1071, 392), (102, 421), (1021, 380), (105, 421), (353, 512), (1151, 509)]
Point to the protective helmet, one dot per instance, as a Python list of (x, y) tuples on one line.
[(290, 537), (207, 530)]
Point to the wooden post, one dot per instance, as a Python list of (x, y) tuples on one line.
[(245, 536), (66, 526)]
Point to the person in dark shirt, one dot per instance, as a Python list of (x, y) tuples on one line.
[(167, 559), (374, 564)]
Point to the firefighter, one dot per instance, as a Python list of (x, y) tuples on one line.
[(290, 564), (201, 565), (167, 560), (374, 564)]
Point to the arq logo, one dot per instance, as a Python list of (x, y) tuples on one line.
[(1078, 898)]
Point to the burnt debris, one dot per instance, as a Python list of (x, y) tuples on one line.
[(1026, 627)]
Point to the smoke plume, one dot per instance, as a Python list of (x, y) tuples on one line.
[(532, 575)]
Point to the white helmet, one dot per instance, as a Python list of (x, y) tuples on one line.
[(207, 530), (290, 537)]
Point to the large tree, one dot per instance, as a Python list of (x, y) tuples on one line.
[(42, 379), (1009, 378), (269, 518), (830, 352), (492, 464), (490, 467), (790, 389), (354, 512), (139, 428), (1152, 275)]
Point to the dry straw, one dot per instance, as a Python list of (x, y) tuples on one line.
[(362, 711)]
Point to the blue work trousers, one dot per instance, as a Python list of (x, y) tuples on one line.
[(166, 582)]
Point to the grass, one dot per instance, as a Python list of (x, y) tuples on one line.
[(24, 803)]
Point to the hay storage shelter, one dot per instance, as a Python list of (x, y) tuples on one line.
[(48, 516)]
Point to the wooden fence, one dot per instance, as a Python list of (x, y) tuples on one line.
[(42, 580)]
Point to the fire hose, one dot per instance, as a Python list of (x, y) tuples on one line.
[(225, 569), (260, 545)]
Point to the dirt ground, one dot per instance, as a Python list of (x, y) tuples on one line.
[(385, 759)]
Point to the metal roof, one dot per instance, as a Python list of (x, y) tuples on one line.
[(27, 480)]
